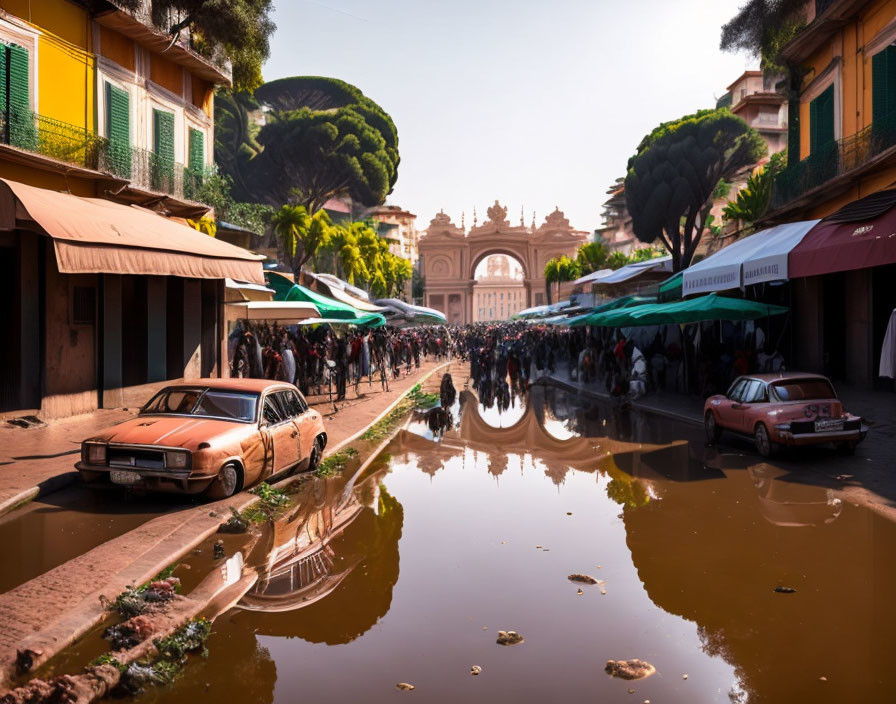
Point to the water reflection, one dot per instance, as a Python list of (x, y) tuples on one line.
[(691, 544)]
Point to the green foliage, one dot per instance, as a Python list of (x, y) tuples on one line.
[(627, 491), (335, 463), (301, 235), (677, 168), (108, 659), (592, 257), (558, 270), (216, 189), (752, 200), (322, 138), (241, 28), (762, 28), (617, 260), (270, 504), (421, 398), (362, 257), (188, 639)]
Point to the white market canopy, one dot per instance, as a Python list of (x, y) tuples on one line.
[(284, 311), (593, 277), (751, 260), (630, 271)]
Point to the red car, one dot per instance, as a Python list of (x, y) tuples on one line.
[(790, 409), (211, 436)]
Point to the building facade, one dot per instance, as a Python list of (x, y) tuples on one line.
[(399, 227), (101, 110), (842, 147), (449, 257)]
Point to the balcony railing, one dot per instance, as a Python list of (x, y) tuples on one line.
[(82, 147), (834, 159)]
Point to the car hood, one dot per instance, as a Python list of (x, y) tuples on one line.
[(171, 431)]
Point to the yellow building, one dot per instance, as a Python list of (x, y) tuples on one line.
[(842, 146), (100, 110)]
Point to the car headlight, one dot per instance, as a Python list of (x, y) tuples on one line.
[(785, 427), (96, 453), (177, 460)]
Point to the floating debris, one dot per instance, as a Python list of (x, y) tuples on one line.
[(475, 670), (538, 547), (583, 578), (629, 669), (405, 686), (785, 590), (509, 638), (569, 513), (235, 524), (603, 592), (822, 679), (684, 677), (485, 628), (579, 592)]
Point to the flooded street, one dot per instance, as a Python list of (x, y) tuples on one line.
[(406, 571)]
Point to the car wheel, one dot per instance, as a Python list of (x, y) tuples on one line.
[(713, 430), (316, 452), (764, 445), (228, 482)]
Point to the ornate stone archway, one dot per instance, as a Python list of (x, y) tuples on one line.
[(449, 256)]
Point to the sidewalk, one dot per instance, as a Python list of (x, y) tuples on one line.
[(50, 612)]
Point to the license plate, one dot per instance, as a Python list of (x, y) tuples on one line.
[(122, 477), (828, 424)]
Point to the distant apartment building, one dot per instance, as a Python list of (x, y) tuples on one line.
[(616, 231), (754, 98), (500, 293), (399, 227)]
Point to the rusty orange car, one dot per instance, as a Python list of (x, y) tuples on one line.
[(208, 436), (790, 409)]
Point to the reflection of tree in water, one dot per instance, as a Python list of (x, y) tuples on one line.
[(365, 595), (626, 490)]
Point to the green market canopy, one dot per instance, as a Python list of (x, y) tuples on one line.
[(695, 310), (670, 289), (330, 309), (593, 315)]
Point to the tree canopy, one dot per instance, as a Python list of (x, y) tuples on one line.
[(241, 28), (321, 138), (761, 28), (672, 177)]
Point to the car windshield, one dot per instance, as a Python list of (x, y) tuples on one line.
[(215, 403), (804, 390)]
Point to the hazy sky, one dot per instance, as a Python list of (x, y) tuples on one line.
[(536, 103)]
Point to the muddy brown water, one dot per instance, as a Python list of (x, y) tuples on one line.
[(405, 573)]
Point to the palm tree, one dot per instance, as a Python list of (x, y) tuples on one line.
[(551, 274), (301, 235)]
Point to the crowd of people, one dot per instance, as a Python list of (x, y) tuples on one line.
[(321, 357), (505, 357)]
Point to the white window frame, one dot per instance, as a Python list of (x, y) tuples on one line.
[(25, 36), (831, 75)]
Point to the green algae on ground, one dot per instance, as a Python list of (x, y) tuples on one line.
[(335, 463), (270, 504)]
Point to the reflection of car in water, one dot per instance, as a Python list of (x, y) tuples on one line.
[(791, 409), (791, 504), (216, 436), (330, 565)]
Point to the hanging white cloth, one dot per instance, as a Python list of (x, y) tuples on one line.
[(888, 351)]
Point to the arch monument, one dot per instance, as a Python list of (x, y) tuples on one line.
[(449, 256)]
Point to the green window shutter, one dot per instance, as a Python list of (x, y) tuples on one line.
[(163, 134), (821, 120), (879, 87), (793, 132), (118, 130), (21, 132), (162, 176), (197, 150)]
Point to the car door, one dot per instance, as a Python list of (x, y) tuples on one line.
[(727, 411), (304, 421), (750, 394), (283, 432)]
